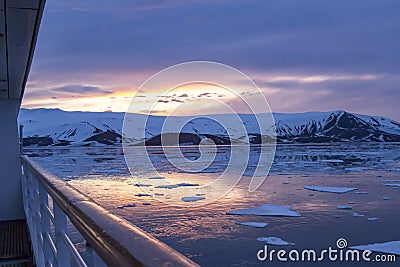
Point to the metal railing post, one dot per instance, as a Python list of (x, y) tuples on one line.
[(21, 139), (45, 225), (115, 242), (36, 223), (60, 224)]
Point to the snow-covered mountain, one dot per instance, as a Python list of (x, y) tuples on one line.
[(56, 127)]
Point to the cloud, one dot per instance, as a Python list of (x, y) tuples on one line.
[(319, 46), (66, 91), (81, 90), (206, 94), (281, 34)]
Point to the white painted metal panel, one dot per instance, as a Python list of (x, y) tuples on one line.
[(3, 61), (31, 4), (20, 28)]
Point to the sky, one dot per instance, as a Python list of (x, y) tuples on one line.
[(305, 55)]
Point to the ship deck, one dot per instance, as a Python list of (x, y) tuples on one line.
[(15, 247)]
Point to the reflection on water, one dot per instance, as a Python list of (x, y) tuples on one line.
[(83, 162), (209, 236)]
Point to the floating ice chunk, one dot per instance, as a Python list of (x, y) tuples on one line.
[(285, 183), (130, 205), (373, 219), (192, 199), (254, 224), (333, 160), (361, 192), (146, 204), (142, 185), (172, 186), (390, 181), (169, 186), (330, 189), (343, 207), (187, 184), (274, 241), (142, 195), (392, 247), (266, 210), (355, 169), (396, 185), (386, 198), (158, 194), (387, 160), (351, 202), (355, 214)]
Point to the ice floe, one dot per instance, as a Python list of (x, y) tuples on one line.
[(192, 199), (396, 185), (343, 207), (361, 192), (142, 195), (330, 189), (373, 219), (187, 184), (168, 186), (386, 198), (172, 186), (254, 224), (266, 210), (130, 205), (355, 169), (333, 160), (274, 241), (390, 181), (143, 185), (355, 214), (392, 247)]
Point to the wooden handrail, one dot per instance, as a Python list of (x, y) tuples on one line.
[(115, 240)]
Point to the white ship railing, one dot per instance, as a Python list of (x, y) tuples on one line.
[(115, 241)]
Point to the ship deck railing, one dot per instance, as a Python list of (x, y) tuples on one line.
[(50, 204)]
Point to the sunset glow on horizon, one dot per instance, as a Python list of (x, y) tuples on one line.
[(345, 61)]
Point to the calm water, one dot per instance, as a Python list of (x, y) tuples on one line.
[(209, 236)]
